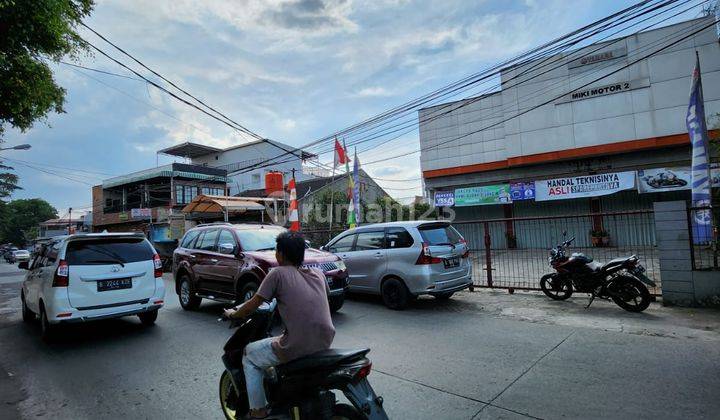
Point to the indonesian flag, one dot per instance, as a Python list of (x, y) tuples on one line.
[(293, 216), (341, 157)]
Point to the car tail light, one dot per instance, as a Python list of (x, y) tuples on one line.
[(363, 372), (62, 275), (158, 266), (426, 257)]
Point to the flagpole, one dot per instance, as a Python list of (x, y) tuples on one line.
[(332, 194)]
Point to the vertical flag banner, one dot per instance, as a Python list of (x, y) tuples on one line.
[(351, 221), (356, 187), (293, 217), (697, 130)]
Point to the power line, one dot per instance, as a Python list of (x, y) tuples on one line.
[(101, 71), (492, 69), (554, 98)]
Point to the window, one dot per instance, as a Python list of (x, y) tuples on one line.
[(369, 240), (207, 242), (258, 240), (343, 244), (398, 237), (439, 234), (107, 251), (179, 195), (226, 237), (255, 178), (212, 191), (190, 193), (189, 238)]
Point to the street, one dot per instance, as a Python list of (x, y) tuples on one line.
[(474, 356)]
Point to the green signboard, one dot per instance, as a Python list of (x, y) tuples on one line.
[(478, 196)]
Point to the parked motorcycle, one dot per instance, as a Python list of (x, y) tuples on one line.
[(623, 279), (302, 388)]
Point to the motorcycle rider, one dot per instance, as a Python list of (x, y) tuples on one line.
[(301, 295)]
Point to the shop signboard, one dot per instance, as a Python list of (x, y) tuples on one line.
[(444, 199), (583, 186), (522, 191), (141, 213), (478, 196), (177, 226), (670, 179)]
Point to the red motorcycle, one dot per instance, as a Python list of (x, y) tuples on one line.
[(623, 279)]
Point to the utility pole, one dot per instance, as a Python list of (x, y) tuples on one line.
[(70, 221)]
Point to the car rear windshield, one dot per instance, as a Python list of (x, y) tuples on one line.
[(108, 251), (439, 234), (258, 240)]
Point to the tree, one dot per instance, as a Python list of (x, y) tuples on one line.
[(32, 33), (19, 219)]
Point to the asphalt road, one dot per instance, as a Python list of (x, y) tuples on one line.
[(437, 360)]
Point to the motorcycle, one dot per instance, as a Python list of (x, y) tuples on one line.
[(621, 280), (302, 388)]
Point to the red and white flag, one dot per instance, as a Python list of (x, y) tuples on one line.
[(341, 157), (293, 216)]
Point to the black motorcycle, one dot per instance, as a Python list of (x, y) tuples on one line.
[(302, 388), (623, 279)]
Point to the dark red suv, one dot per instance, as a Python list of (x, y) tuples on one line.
[(226, 263)]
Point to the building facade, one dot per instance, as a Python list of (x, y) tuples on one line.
[(559, 138), (240, 161)]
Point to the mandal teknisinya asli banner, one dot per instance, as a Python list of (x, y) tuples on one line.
[(583, 186)]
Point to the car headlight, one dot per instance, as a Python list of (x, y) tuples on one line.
[(340, 265)]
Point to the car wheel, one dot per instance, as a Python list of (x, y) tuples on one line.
[(336, 302), (27, 314), (444, 296), (394, 294), (47, 330), (187, 297), (148, 318), (247, 292)]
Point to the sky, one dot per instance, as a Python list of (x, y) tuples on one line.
[(291, 70)]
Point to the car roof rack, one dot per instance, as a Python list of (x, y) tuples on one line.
[(214, 224)]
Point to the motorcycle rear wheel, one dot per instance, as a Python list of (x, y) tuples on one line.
[(630, 294), (554, 288), (234, 404)]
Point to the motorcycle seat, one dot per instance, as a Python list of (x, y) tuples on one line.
[(323, 359), (615, 262)]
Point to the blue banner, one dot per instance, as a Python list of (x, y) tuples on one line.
[(522, 191), (444, 198), (700, 167)]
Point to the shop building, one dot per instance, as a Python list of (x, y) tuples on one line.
[(618, 144)]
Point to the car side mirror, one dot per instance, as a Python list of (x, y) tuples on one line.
[(226, 248), (23, 265), (324, 248), (308, 244)]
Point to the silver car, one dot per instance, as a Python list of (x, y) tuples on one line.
[(402, 260)]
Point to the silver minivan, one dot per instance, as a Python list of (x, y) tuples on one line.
[(402, 260)]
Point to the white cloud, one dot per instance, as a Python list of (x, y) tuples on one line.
[(372, 91)]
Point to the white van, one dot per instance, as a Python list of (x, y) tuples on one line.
[(85, 277)]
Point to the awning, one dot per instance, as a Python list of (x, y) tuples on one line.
[(189, 150), (218, 204)]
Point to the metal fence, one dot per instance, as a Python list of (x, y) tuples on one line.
[(513, 253), (703, 225)]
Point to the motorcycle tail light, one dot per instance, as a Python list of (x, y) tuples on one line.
[(363, 372)]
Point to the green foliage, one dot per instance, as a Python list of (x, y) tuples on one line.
[(19, 219), (32, 32)]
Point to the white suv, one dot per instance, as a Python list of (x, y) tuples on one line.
[(92, 276)]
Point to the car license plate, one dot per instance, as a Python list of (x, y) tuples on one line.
[(114, 284), (451, 262)]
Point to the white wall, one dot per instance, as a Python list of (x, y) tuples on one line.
[(248, 155), (653, 111)]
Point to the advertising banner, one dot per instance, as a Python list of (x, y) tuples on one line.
[(140, 213), (583, 186), (670, 179), (444, 199), (478, 196), (522, 191)]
